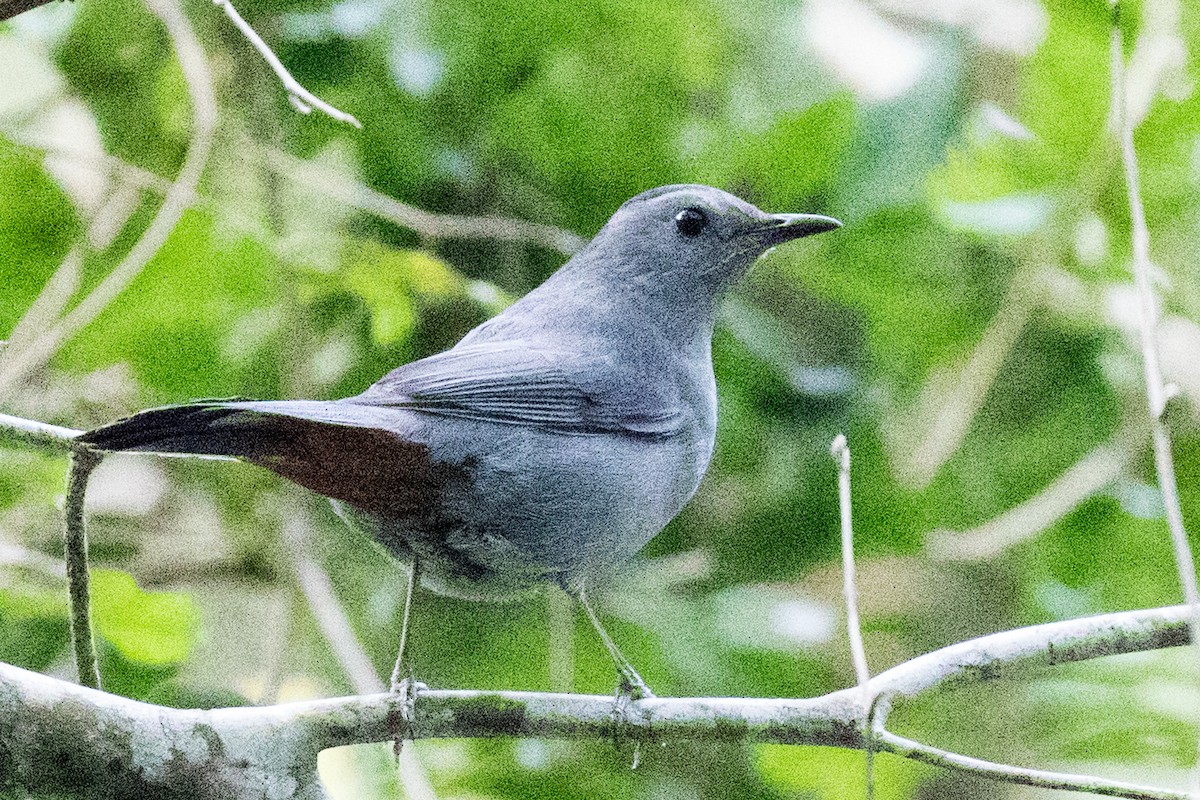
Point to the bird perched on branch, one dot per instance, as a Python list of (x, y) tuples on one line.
[(552, 442)]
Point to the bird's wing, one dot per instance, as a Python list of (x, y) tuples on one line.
[(518, 383)]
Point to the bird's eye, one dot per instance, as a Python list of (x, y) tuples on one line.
[(691, 221)]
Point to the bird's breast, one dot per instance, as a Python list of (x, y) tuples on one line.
[(524, 504)]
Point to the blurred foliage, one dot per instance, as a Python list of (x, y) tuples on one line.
[(971, 329)]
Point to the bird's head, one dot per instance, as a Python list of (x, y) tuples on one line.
[(698, 236)]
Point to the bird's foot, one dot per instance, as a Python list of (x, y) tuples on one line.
[(402, 715), (634, 689), (632, 686), (630, 690)]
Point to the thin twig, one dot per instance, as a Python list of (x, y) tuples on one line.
[(1155, 387), (927, 436), (204, 117), (429, 225), (48, 306), (83, 461), (840, 450), (1096, 470), (1022, 775), (39, 434), (560, 612), (1156, 390), (414, 571), (322, 601), (301, 99), (353, 193)]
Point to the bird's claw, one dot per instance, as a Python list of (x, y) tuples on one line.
[(633, 687), (403, 713), (630, 690)]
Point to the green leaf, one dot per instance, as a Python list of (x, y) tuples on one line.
[(388, 282), (796, 157), (1064, 96), (172, 324), (37, 225), (827, 773), (33, 626), (152, 627), (113, 58)]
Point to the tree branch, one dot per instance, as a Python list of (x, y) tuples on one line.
[(926, 435), (301, 99), (38, 434), (1097, 469), (839, 719), (1157, 392), (234, 748), (335, 627), (425, 223), (840, 450), (83, 642)]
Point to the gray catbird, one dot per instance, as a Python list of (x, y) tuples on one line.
[(553, 441)]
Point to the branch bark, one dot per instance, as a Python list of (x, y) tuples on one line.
[(113, 747)]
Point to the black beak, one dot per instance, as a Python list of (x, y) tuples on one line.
[(780, 228)]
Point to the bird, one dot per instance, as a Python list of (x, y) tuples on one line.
[(551, 443)]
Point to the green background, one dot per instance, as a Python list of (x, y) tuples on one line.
[(970, 329)]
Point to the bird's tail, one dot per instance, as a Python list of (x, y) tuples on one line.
[(199, 429), (241, 428), (341, 450)]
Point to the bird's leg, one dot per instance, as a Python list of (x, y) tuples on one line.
[(631, 683), (403, 689)]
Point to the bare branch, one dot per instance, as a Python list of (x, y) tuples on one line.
[(1155, 387), (932, 431), (59, 737), (840, 451), (346, 190), (39, 434), (56, 293), (48, 306), (335, 627), (302, 99), (83, 461), (1009, 652), (428, 224), (1020, 775), (1005, 654), (1156, 390), (1089, 475), (332, 621), (234, 745)]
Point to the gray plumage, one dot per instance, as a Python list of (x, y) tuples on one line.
[(554, 440)]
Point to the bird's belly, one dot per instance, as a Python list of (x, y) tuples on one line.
[(520, 506)]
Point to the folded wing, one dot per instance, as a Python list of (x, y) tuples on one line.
[(519, 383)]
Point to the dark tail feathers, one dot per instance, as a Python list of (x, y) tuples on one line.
[(340, 450), (198, 429)]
